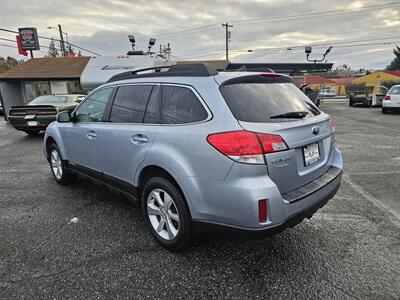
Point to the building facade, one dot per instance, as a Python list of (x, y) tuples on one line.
[(41, 76)]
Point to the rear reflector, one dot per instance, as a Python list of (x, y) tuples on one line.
[(262, 211), (245, 146), (387, 97)]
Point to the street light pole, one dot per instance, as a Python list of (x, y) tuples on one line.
[(62, 41)]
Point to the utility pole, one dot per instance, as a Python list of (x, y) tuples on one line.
[(227, 38), (63, 52)]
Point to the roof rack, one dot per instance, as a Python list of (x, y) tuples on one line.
[(189, 70)]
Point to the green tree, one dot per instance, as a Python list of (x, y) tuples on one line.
[(53, 52), (7, 63), (395, 64)]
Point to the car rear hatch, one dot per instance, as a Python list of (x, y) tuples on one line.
[(394, 94), (270, 107)]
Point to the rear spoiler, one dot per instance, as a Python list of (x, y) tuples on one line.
[(259, 78), (33, 107)]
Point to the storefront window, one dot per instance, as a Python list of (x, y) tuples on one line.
[(28, 92), (42, 88), (74, 87), (35, 89)]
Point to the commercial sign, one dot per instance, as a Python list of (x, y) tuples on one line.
[(20, 50), (29, 38)]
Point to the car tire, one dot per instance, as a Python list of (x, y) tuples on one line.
[(166, 214), (384, 110), (32, 132), (58, 167), (351, 103)]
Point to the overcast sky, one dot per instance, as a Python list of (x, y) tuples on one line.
[(103, 26)]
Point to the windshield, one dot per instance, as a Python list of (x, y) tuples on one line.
[(258, 102), (49, 99)]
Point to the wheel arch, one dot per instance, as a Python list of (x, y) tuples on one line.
[(48, 142), (151, 171), (53, 137)]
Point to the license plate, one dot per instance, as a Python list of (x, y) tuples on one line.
[(311, 154), (32, 123)]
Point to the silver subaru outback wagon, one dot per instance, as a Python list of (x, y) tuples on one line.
[(201, 150)]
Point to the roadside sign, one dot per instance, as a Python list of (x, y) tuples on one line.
[(20, 50), (29, 38)]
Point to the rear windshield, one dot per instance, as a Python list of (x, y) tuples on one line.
[(394, 90), (258, 102), (49, 99)]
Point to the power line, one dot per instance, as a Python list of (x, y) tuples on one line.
[(287, 17), (53, 39), (317, 14), (10, 46), (9, 40), (328, 43), (190, 30)]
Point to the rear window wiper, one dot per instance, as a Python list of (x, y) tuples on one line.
[(291, 115)]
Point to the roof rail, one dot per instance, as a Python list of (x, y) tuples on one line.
[(190, 70)]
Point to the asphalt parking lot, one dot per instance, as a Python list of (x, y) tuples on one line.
[(349, 249)]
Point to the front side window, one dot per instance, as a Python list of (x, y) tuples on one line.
[(130, 103), (92, 109), (180, 105)]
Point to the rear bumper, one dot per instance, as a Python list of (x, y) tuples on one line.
[(25, 128), (233, 203), (20, 123), (390, 104), (203, 227), (324, 195)]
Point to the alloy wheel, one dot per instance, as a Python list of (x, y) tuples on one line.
[(163, 214), (56, 164)]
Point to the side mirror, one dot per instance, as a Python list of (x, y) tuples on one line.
[(64, 117)]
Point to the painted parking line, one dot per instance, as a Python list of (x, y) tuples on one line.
[(375, 201)]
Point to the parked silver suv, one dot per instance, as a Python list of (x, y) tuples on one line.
[(202, 150)]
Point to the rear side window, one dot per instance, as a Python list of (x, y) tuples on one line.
[(258, 102), (152, 114), (180, 105), (130, 103)]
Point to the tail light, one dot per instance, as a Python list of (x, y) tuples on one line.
[(387, 97), (245, 146), (262, 210), (17, 113), (46, 112)]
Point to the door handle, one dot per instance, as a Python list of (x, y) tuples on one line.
[(91, 135), (139, 139)]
